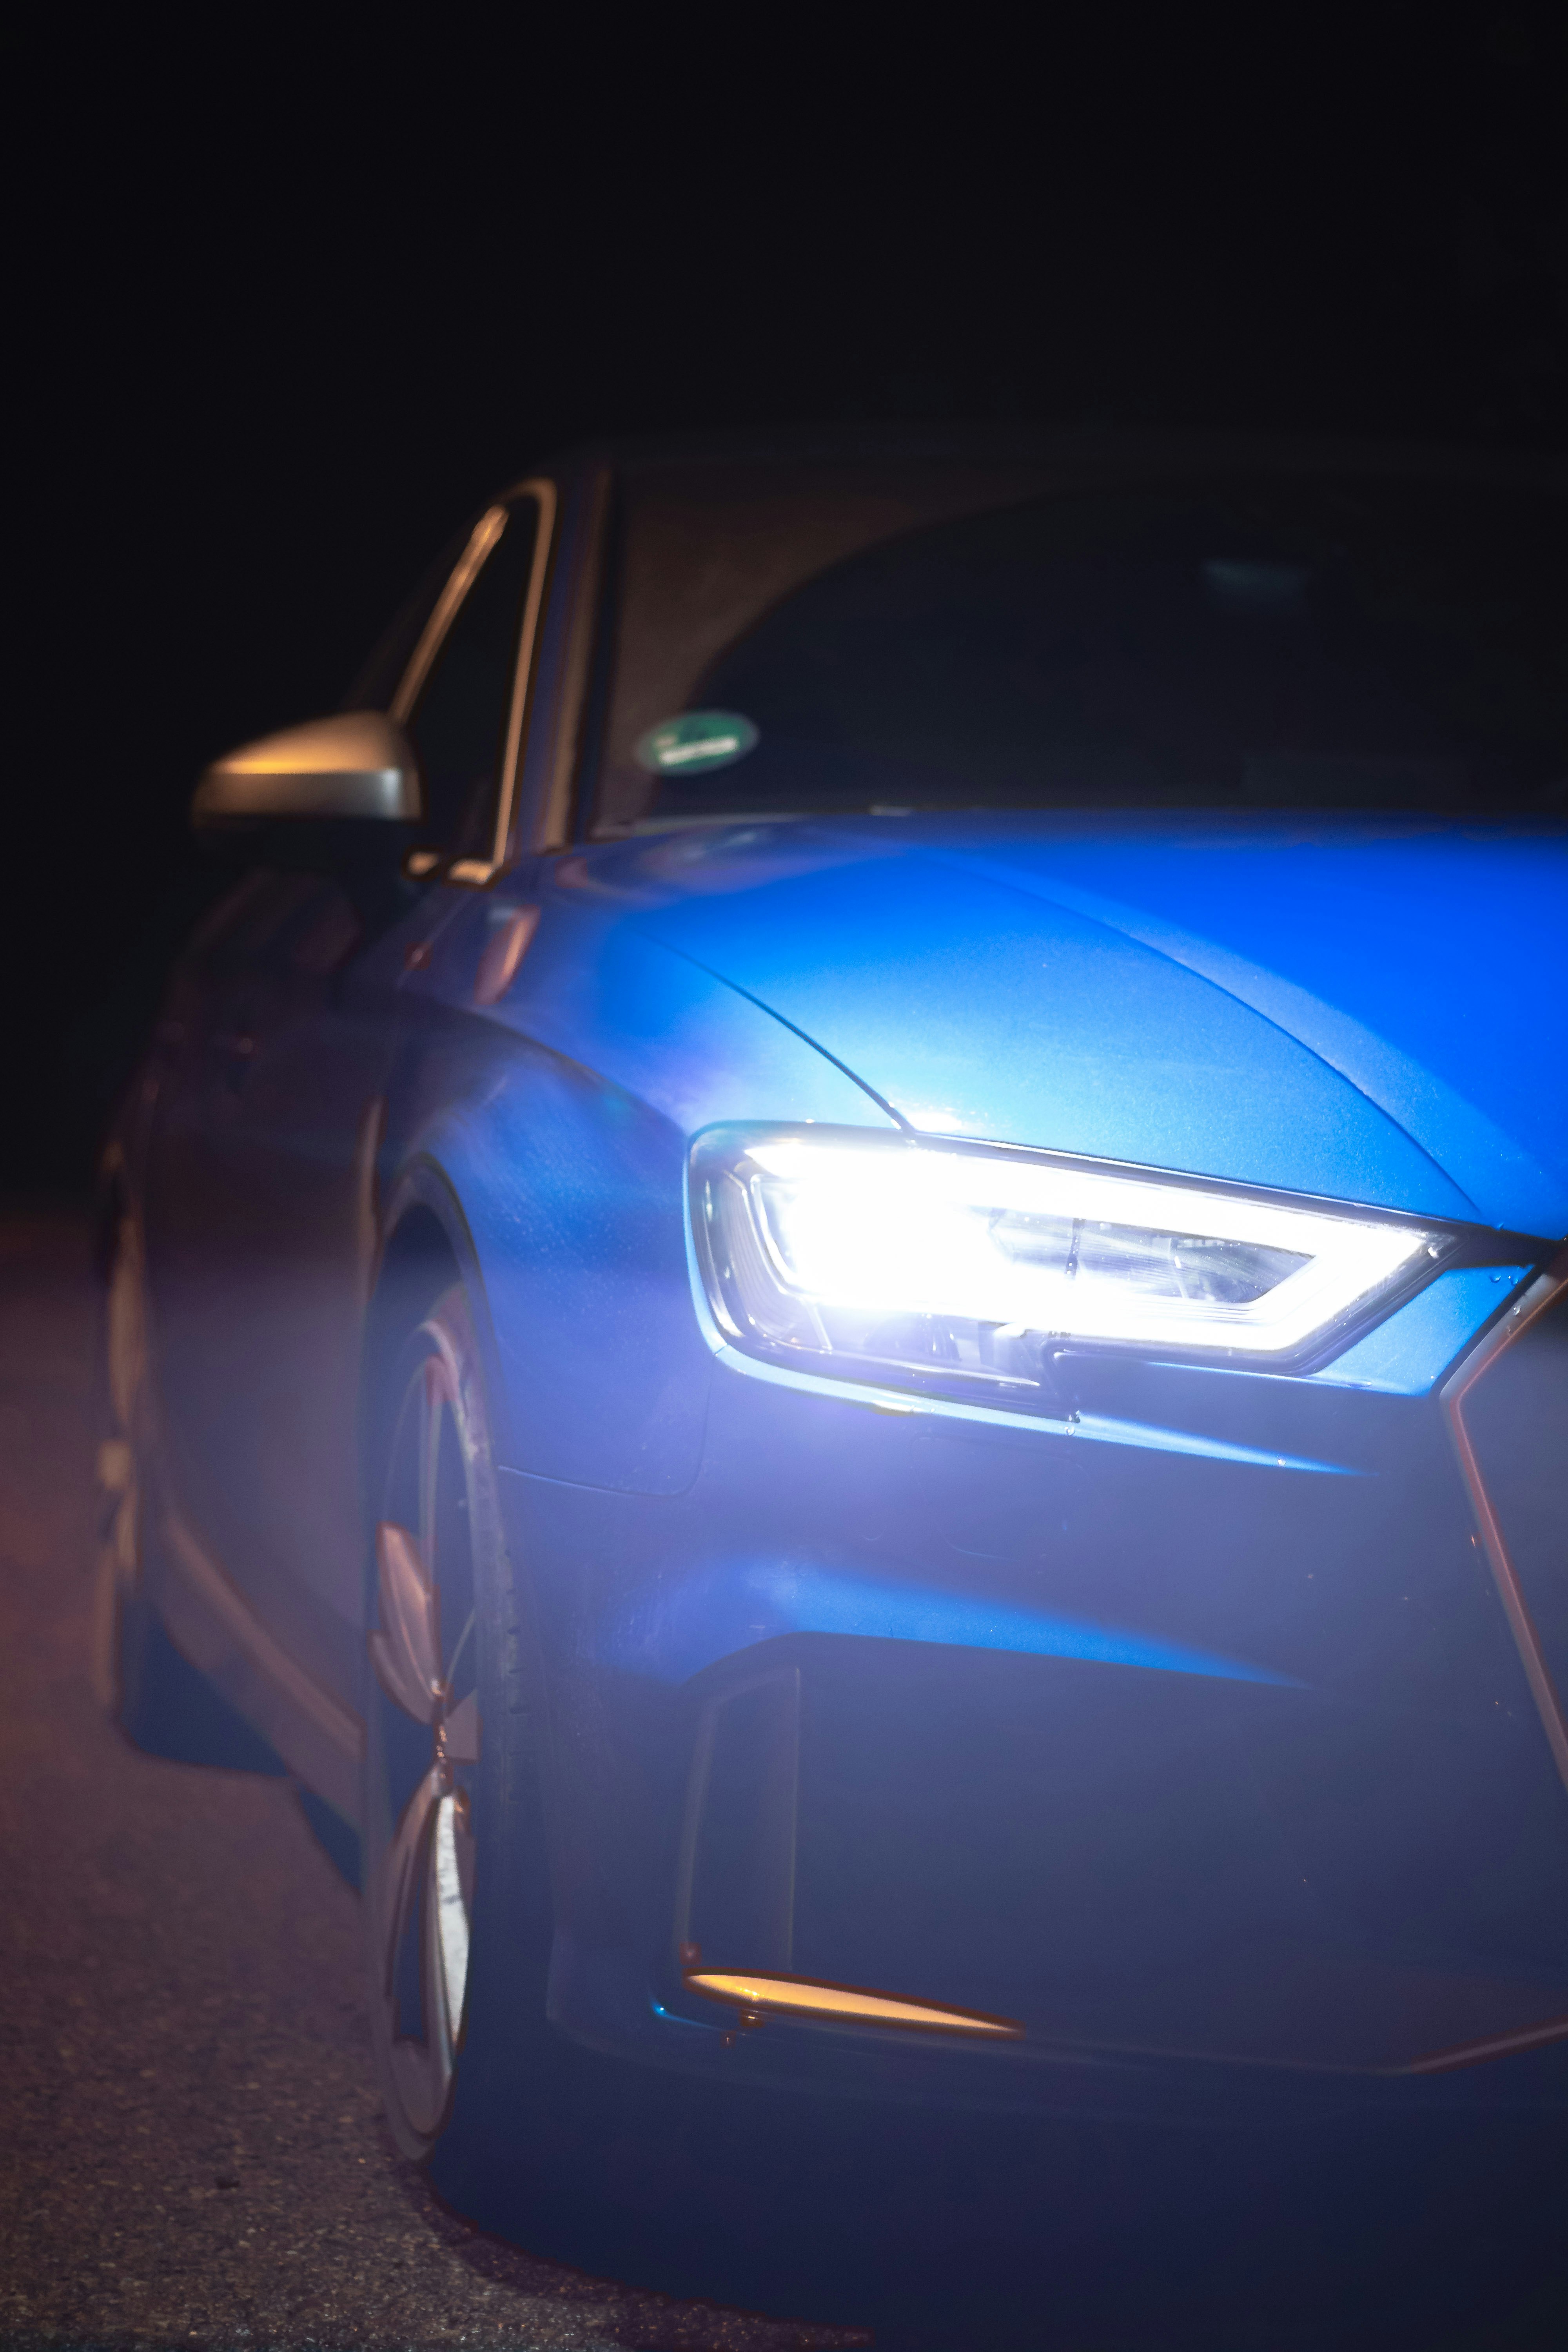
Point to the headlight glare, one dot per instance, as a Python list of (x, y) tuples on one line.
[(972, 1263)]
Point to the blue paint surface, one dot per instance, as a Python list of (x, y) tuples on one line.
[(1090, 1428), (691, 1046), (976, 1008), (1212, 1449), (1424, 960), (1367, 1013), (676, 1632), (1409, 1353)]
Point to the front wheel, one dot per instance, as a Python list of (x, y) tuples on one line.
[(440, 1600)]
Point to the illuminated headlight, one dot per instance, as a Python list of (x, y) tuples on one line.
[(973, 1263)]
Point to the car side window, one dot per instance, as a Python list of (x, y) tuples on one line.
[(461, 717)]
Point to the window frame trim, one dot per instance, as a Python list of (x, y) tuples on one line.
[(558, 822), (479, 872)]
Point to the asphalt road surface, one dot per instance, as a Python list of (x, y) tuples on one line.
[(190, 2147), (192, 2153)]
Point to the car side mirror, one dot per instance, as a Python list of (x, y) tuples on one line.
[(341, 789)]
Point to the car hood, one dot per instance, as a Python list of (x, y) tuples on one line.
[(1369, 1011)]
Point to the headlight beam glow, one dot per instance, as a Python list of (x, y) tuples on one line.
[(969, 1262)]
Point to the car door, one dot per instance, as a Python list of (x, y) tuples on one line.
[(260, 1200)]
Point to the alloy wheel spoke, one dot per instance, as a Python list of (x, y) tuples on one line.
[(450, 1899), (405, 1870), (405, 1648)]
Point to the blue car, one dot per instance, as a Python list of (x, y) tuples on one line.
[(837, 1291)]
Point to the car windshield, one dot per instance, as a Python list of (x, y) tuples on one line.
[(801, 641)]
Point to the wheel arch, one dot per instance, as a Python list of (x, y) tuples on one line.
[(426, 1245)]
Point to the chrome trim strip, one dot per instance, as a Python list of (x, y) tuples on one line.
[(210, 1619), (553, 828), (1490, 1535), (545, 495), (482, 538), (480, 871)]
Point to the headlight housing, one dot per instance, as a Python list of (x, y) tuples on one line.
[(892, 1259)]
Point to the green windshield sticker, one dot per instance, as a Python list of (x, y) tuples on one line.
[(697, 740)]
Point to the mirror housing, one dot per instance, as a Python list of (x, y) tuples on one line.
[(358, 765), (343, 792)]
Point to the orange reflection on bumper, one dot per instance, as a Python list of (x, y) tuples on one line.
[(804, 1996)]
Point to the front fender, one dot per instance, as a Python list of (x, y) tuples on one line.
[(558, 1122)]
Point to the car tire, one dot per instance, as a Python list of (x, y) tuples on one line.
[(451, 1818)]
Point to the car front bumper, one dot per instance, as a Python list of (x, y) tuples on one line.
[(1188, 1731)]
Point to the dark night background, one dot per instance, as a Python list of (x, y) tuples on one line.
[(288, 296), (291, 297)]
